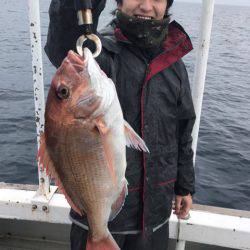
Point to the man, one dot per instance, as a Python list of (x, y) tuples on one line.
[(142, 54)]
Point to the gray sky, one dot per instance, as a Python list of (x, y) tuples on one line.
[(233, 2)]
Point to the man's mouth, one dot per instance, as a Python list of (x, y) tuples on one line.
[(144, 17)]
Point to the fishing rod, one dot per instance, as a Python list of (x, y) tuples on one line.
[(84, 15)]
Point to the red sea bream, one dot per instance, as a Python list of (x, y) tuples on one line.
[(84, 144)]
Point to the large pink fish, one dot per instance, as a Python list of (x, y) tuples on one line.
[(84, 144)]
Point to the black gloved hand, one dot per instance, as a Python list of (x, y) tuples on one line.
[(64, 29), (98, 7)]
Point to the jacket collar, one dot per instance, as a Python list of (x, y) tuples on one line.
[(176, 45), (177, 38)]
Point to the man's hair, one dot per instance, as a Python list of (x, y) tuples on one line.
[(170, 2)]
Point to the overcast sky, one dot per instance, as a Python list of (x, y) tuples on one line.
[(234, 2)]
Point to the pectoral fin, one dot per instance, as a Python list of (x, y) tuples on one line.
[(133, 140), (101, 125), (45, 163), (109, 154)]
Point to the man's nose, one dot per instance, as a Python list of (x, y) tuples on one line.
[(146, 5)]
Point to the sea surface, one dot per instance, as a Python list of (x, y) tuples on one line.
[(223, 154)]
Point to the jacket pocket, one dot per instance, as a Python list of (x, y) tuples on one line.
[(163, 166)]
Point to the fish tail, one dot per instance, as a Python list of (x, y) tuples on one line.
[(107, 243)]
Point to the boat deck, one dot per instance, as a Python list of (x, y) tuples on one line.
[(30, 235)]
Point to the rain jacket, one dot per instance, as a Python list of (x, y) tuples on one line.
[(154, 93)]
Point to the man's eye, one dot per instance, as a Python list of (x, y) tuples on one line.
[(63, 92)]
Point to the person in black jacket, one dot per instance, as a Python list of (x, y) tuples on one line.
[(141, 53)]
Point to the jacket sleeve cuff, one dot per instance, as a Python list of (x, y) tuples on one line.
[(183, 191)]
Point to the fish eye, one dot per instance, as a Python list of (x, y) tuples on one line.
[(62, 92)]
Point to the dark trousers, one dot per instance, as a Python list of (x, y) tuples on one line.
[(158, 241)]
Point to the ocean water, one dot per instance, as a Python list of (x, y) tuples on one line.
[(223, 154)]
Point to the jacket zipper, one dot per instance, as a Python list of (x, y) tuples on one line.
[(142, 133)]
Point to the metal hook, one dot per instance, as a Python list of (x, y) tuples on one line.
[(92, 37)]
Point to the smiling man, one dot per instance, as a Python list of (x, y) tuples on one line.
[(146, 10), (142, 54)]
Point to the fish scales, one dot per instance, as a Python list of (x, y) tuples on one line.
[(84, 155)]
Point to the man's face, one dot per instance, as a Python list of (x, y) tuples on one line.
[(147, 9)]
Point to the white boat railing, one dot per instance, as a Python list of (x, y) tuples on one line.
[(47, 206), (207, 225), (37, 68), (202, 51)]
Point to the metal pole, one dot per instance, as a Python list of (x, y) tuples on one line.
[(180, 245), (201, 65), (37, 67), (200, 75)]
